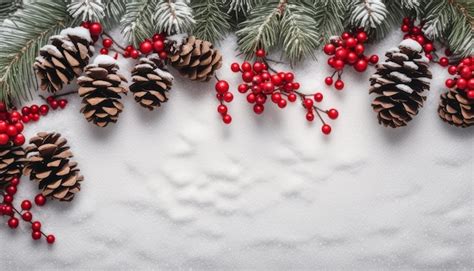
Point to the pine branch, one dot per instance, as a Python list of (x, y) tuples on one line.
[(20, 41), (329, 16), (367, 14), (86, 10), (114, 11), (137, 23), (174, 17), (262, 28), (241, 6), (211, 22), (299, 34), (8, 7)]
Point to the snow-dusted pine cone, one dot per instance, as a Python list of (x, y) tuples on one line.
[(195, 59), (400, 83), (49, 163), (11, 163), (456, 109), (151, 82), (64, 58), (100, 89)]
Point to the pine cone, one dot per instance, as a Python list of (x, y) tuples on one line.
[(11, 163), (64, 59), (400, 83), (100, 89), (49, 163), (456, 109), (196, 59), (151, 82)]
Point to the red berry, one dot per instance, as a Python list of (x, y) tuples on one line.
[(11, 190), (163, 55), (326, 129), (359, 49), (265, 76), (34, 109), (95, 29), (466, 61), (228, 97), (282, 103), (470, 83), (318, 97), (257, 67), (27, 216), (54, 105), (465, 73), (328, 80), (339, 84), (443, 61), (374, 59), (40, 200), (95, 38), (222, 86), (25, 110), (44, 109), (227, 119), (470, 94), (309, 116), (15, 181), (429, 56), (3, 107), (276, 97), (104, 51), (296, 85), (7, 210), (36, 226), (19, 127), (329, 49), (351, 57), (341, 53), (260, 53), (406, 21), (292, 97), (360, 65), (251, 98), (235, 67), (246, 67), (19, 140), (338, 64), (289, 77), (415, 30), (308, 103), (7, 199), (448, 52), (222, 109), (243, 88), (428, 47), (13, 223), (158, 46), (62, 103), (361, 37), (333, 114), (36, 235), (146, 47), (258, 109), (261, 99), (276, 80), (345, 35), (86, 24), (452, 70), (351, 42), (134, 54), (450, 83), (3, 126), (4, 138), (247, 76), (331, 61), (11, 130), (461, 83), (420, 39), (26, 205), (405, 28), (107, 43), (50, 239), (129, 48)]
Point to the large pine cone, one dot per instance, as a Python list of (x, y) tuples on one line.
[(151, 82), (100, 89), (196, 59), (400, 83), (64, 59), (49, 164), (11, 163), (456, 109)]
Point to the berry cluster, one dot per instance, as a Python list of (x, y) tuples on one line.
[(223, 95), (263, 84), (464, 76), (348, 49), (8, 209)]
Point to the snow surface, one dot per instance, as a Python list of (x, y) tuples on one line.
[(77, 31), (177, 189), (411, 44)]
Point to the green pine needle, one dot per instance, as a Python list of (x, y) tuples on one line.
[(114, 11), (211, 22), (137, 23), (21, 39)]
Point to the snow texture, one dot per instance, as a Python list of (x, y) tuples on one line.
[(105, 60), (411, 44), (52, 50), (77, 31), (405, 88), (400, 76), (410, 64), (176, 189), (164, 74)]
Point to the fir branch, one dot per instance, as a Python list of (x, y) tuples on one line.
[(86, 10), (8, 7), (262, 28), (329, 16), (174, 17), (137, 23), (20, 41), (211, 22), (114, 10), (299, 34), (367, 14), (241, 6)]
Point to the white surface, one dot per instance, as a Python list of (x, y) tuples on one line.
[(178, 189)]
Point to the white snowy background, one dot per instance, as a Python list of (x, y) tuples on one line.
[(178, 189)]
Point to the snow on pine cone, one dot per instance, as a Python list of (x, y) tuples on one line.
[(456, 108), (64, 59), (11, 163), (49, 163), (151, 82), (100, 89), (400, 83), (195, 59)]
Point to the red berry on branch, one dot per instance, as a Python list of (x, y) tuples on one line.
[(428, 47), (222, 86), (308, 103), (333, 114), (405, 28), (36, 235), (50, 239), (62, 103), (44, 109), (260, 53), (276, 97), (13, 223), (36, 226), (450, 83), (359, 49), (452, 70), (339, 84), (27, 216), (228, 97), (318, 97), (104, 51), (470, 83), (3, 126), (338, 64), (328, 80), (54, 105), (19, 140), (345, 35), (466, 61), (235, 67), (222, 109), (341, 53), (443, 61), (158, 46), (374, 59), (470, 94), (227, 119), (351, 42), (429, 56), (7, 199), (246, 67), (415, 30), (292, 97), (326, 129), (289, 77), (247, 76), (4, 138), (407, 21), (360, 65), (146, 47), (34, 109), (251, 98), (134, 54), (163, 55), (95, 29), (11, 190), (461, 83), (265, 76), (257, 67), (465, 73), (15, 181), (19, 127), (282, 103), (86, 24), (258, 109), (25, 110), (40, 200), (107, 43), (309, 116), (329, 49), (129, 48), (351, 57), (243, 88), (26, 205), (361, 37), (296, 85), (11, 130)]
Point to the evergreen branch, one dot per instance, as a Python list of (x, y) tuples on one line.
[(299, 34), (329, 16), (262, 28), (114, 10), (137, 23), (86, 10), (20, 41), (211, 22), (367, 14), (174, 17), (8, 7), (241, 6)]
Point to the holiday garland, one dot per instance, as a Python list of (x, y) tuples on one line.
[(56, 40)]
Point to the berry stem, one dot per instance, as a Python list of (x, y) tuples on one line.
[(20, 214), (115, 42), (60, 95)]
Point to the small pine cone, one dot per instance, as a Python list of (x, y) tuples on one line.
[(64, 59), (196, 59), (456, 108), (11, 163), (400, 84), (100, 89), (151, 82), (49, 163)]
